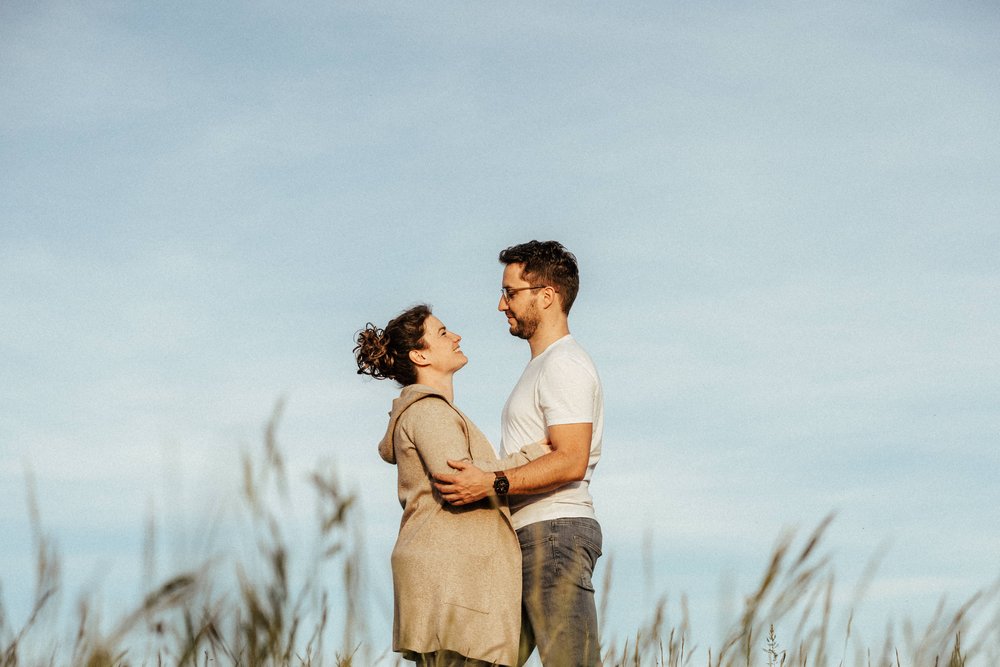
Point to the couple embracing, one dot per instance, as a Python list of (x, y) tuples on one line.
[(495, 555)]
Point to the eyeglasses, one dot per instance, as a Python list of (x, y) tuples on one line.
[(508, 293)]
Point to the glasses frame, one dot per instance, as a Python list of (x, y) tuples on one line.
[(508, 293)]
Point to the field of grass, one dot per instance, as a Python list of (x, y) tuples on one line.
[(289, 603)]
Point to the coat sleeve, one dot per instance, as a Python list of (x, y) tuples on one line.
[(519, 458), (437, 432)]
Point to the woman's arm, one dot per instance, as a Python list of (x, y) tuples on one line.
[(526, 454), (437, 432)]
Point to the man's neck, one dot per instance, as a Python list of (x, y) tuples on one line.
[(546, 335)]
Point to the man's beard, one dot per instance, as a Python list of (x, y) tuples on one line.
[(524, 327)]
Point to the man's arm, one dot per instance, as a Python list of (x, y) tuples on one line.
[(567, 462)]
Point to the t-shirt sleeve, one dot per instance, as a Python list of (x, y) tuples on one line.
[(567, 391)]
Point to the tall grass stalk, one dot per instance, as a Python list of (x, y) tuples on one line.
[(274, 604), (274, 610)]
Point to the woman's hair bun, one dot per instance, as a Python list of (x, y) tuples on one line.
[(372, 352), (385, 353)]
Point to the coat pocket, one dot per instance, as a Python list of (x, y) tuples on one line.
[(443, 576), (473, 584)]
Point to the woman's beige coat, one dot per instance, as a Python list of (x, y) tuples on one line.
[(456, 570)]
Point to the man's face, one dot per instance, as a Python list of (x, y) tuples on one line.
[(521, 308)]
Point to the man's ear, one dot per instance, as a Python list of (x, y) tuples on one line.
[(418, 357), (549, 297)]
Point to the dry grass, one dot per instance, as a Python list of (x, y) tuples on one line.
[(278, 609), (276, 612), (796, 590)]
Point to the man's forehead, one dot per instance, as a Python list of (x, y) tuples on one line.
[(512, 273)]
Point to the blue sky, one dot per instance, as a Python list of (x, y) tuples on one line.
[(786, 218)]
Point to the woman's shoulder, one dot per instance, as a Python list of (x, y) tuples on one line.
[(430, 422), (429, 409)]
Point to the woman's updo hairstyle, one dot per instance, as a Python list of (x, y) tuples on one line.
[(385, 353)]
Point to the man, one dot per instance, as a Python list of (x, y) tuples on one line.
[(559, 399)]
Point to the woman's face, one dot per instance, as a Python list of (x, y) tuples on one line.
[(441, 349)]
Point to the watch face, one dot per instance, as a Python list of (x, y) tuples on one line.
[(501, 485)]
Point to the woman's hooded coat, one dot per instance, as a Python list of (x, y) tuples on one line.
[(456, 571)]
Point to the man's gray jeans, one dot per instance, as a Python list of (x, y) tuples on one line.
[(559, 613)]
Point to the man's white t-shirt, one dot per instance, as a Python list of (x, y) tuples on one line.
[(559, 386)]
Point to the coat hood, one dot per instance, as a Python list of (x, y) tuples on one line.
[(410, 395)]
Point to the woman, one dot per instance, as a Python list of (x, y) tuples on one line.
[(456, 571)]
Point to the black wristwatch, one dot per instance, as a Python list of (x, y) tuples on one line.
[(501, 485)]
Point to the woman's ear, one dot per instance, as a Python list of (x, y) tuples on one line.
[(418, 357)]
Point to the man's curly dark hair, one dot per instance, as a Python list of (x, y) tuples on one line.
[(547, 262)]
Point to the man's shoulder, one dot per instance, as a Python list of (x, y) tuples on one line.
[(567, 351), (568, 373)]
